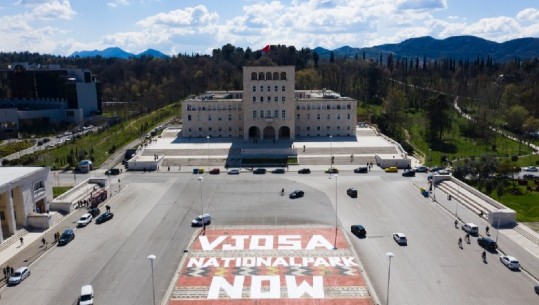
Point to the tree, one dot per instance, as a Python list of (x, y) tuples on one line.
[(438, 116), (515, 117)]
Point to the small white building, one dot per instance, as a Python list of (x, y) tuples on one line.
[(24, 191)]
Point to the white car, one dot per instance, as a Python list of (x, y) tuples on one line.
[(19, 275), (470, 228), (234, 171), (530, 169), (84, 220), (197, 222), (510, 262), (400, 238)]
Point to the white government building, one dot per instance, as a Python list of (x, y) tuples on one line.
[(269, 108)]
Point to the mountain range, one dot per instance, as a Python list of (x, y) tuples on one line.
[(457, 47)]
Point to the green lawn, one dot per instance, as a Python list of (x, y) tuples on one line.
[(526, 205), (59, 190)]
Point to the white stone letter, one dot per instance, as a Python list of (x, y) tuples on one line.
[(274, 291), (289, 242), (316, 291), (318, 241), (233, 291), (207, 246), (266, 239)]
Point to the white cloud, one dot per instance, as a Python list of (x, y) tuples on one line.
[(53, 10), (117, 3), (422, 4), (529, 14), (191, 16)]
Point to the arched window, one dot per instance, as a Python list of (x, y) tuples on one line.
[(275, 76), (283, 75), (253, 76), (261, 76), (268, 76)]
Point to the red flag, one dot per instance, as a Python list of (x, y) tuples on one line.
[(266, 49)]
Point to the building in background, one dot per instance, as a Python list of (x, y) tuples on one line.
[(34, 95), (269, 108)]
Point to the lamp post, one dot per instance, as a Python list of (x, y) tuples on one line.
[(202, 206), (336, 208), (390, 255), (152, 258), (208, 152), (331, 153)]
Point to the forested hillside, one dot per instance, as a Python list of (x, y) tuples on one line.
[(391, 90)]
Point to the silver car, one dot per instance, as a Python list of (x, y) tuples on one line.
[(19, 275), (510, 262)]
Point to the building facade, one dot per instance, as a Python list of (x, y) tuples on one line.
[(269, 108)]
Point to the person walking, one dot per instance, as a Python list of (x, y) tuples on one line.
[(11, 271), (460, 242), (5, 272), (43, 241), (22, 241)]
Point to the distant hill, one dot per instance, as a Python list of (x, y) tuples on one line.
[(457, 47), (116, 52)]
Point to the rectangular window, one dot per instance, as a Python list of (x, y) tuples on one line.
[(262, 114), (189, 117), (254, 114), (268, 113), (269, 98), (317, 127), (298, 116), (269, 88), (308, 116), (276, 113), (318, 116), (276, 88), (209, 117), (254, 98), (329, 116), (283, 99), (230, 117), (276, 99), (283, 114), (348, 116), (261, 99), (261, 88), (254, 88), (283, 88), (338, 116)]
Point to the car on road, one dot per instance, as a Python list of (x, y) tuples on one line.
[(201, 220), (409, 173), (234, 171), (352, 192), (215, 171), (84, 220), (530, 169), (421, 169), (436, 169), (112, 171), (66, 237), (470, 228), (400, 238), (259, 171), (86, 295), (296, 194), (332, 170), (94, 211), (278, 171), (304, 171), (361, 170), (510, 262), (391, 169), (19, 275), (104, 217), (487, 243), (358, 230), (536, 289), (530, 176)]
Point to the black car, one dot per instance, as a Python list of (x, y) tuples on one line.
[(487, 243), (332, 170), (94, 212), (361, 170), (259, 171), (66, 237), (304, 171), (530, 176), (104, 217), (278, 171), (358, 230), (113, 171), (352, 192), (409, 173), (296, 194)]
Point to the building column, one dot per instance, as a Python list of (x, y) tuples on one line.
[(10, 214)]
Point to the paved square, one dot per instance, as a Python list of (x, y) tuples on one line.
[(239, 265)]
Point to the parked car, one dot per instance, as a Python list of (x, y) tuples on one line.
[(510, 262), (259, 171), (84, 220), (361, 170), (487, 243), (421, 169), (332, 170), (94, 211), (530, 169), (215, 171), (409, 173), (104, 217), (234, 171), (536, 289), (391, 169), (400, 238), (436, 168), (358, 230), (278, 171), (201, 220), (470, 228), (296, 194), (112, 171), (352, 192), (66, 237), (19, 275), (304, 171), (530, 176)]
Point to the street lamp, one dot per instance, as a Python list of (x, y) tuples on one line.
[(390, 255), (331, 153), (336, 207), (202, 205), (152, 258), (208, 138)]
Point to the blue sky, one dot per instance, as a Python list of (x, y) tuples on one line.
[(180, 26)]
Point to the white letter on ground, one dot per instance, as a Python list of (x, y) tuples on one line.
[(316, 291), (233, 291)]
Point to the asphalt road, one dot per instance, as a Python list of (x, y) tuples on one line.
[(153, 214)]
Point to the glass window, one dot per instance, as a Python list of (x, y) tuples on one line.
[(262, 114), (230, 117), (283, 114), (261, 76), (268, 113), (189, 117), (276, 99), (209, 117), (283, 88), (308, 116), (276, 113), (268, 76), (253, 76), (275, 76), (338, 116), (297, 116), (254, 114), (261, 88), (269, 88), (261, 99), (276, 88), (254, 88), (318, 116), (317, 127), (329, 116), (348, 116), (283, 75), (254, 98), (283, 99)]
